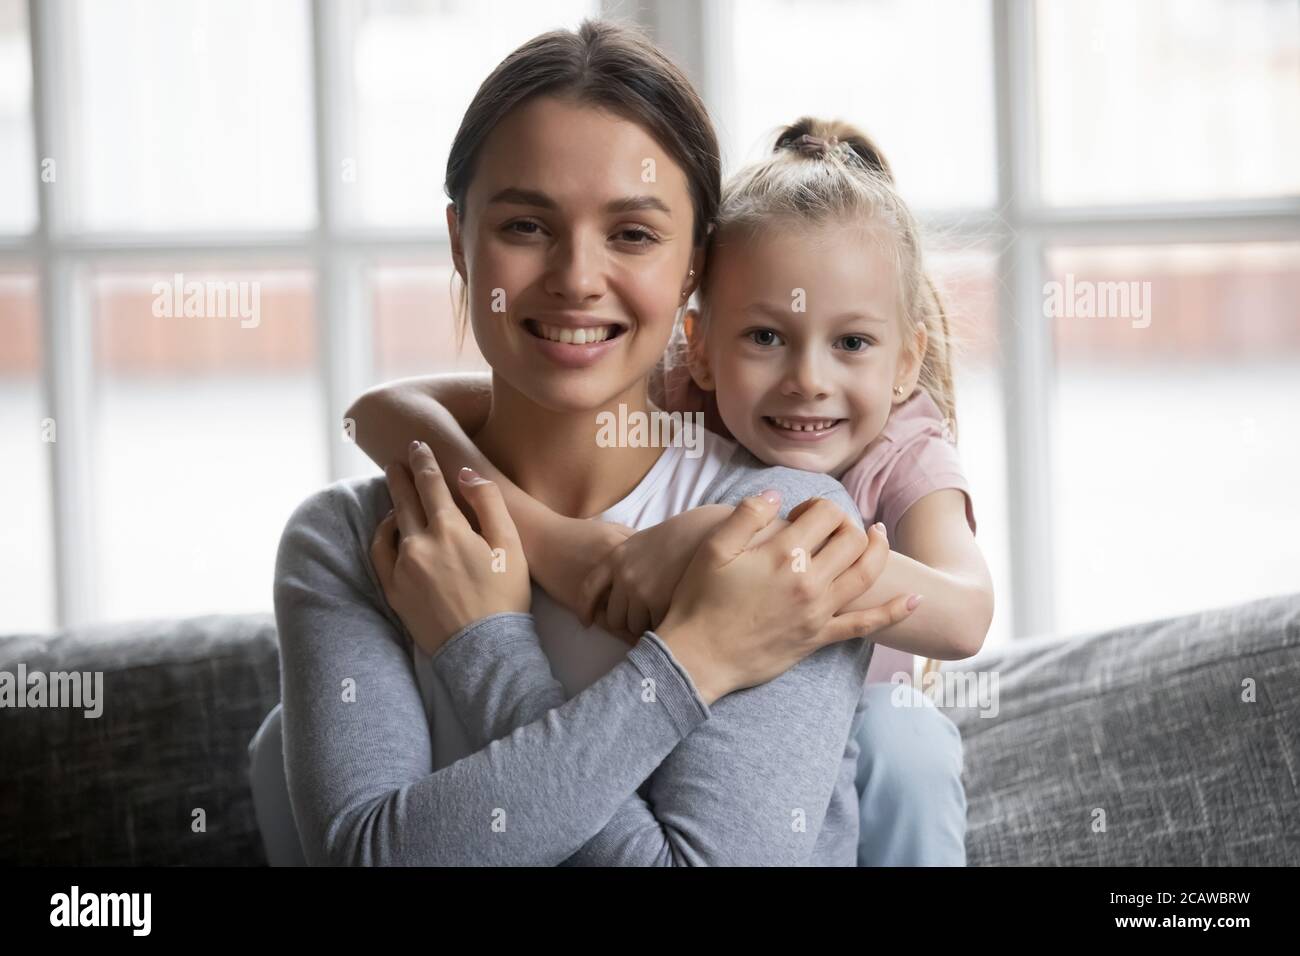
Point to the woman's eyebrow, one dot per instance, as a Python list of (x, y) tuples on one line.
[(531, 197)]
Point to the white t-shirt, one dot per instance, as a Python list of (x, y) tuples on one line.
[(580, 656)]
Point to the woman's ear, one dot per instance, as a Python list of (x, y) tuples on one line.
[(910, 363), (696, 354), (457, 242), (698, 260)]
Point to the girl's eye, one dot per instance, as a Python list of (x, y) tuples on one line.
[(855, 343), (763, 337)]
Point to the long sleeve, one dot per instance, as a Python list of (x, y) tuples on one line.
[(751, 786), (358, 753)]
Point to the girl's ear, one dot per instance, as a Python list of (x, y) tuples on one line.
[(696, 354), (911, 361), (457, 243)]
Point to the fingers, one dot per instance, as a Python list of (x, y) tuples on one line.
[(616, 608), (594, 589), (638, 617), (811, 529), (494, 521), (429, 482), (845, 546), (383, 549), (406, 501), (851, 624), (752, 515), (858, 577)]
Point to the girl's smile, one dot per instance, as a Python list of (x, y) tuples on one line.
[(802, 342)]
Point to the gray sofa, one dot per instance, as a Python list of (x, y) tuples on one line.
[(1136, 746)]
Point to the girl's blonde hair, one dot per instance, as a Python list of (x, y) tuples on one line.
[(828, 171)]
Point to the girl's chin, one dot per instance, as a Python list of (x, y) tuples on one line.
[(802, 460)]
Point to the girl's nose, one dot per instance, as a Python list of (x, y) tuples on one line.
[(806, 378), (577, 268)]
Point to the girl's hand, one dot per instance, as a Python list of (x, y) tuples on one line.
[(744, 614), (629, 591), (442, 574), (571, 548)]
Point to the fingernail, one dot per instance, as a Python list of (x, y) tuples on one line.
[(471, 477), (415, 445), (771, 495), (879, 526), (913, 601)]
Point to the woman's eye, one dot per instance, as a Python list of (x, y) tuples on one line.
[(523, 227), (855, 343), (637, 237), (764, 337)]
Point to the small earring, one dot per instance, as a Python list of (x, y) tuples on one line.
[(898, 390)]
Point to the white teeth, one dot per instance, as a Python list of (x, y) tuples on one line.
[(584, 336), (804, 426)]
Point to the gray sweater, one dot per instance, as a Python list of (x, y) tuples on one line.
[(633, 770)]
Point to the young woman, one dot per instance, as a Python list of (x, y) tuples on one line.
[(722, 736)]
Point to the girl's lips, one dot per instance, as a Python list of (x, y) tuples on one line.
[(568, 355), (804, 436)]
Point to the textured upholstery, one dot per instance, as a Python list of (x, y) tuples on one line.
[(1148, 724), (1145, 723)]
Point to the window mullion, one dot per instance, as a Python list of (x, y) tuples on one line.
[(1027, 389)]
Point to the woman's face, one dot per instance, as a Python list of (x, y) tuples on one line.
[(804, 343), (578, 227)]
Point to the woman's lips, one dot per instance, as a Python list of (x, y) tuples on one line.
[(790, 434), (571, 355)]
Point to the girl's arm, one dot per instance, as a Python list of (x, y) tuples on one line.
[(444, 411), (935, 556)]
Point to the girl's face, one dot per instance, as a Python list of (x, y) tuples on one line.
[(577, 226), (804, 343)]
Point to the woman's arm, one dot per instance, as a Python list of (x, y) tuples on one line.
[(445, 411), (754, 788), (356, 736)]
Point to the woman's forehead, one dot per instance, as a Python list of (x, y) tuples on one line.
[(577, 154)]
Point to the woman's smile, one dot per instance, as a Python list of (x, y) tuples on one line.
[(575, 344)]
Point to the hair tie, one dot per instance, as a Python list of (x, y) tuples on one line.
[(814, 145)]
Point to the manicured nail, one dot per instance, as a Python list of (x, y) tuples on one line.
[(772, 495), (471, 477), (880, 526), (415, 445), (913, 601)]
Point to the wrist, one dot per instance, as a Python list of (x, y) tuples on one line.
[(688, 649)]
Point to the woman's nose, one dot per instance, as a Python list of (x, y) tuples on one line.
[(577, 268)]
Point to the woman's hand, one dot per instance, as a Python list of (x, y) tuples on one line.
[(442, 574), (743, 615), (629, 591)]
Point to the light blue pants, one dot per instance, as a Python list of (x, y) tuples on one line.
[(911, 803)]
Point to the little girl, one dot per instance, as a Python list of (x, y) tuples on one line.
[(820, 345)]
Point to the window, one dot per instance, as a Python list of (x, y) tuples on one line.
[(298, 148)]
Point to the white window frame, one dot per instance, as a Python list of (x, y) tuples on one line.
[(698, 34)]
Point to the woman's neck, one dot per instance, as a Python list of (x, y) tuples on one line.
[(554, 456)]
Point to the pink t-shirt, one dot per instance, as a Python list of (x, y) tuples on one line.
[(910, 458)]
